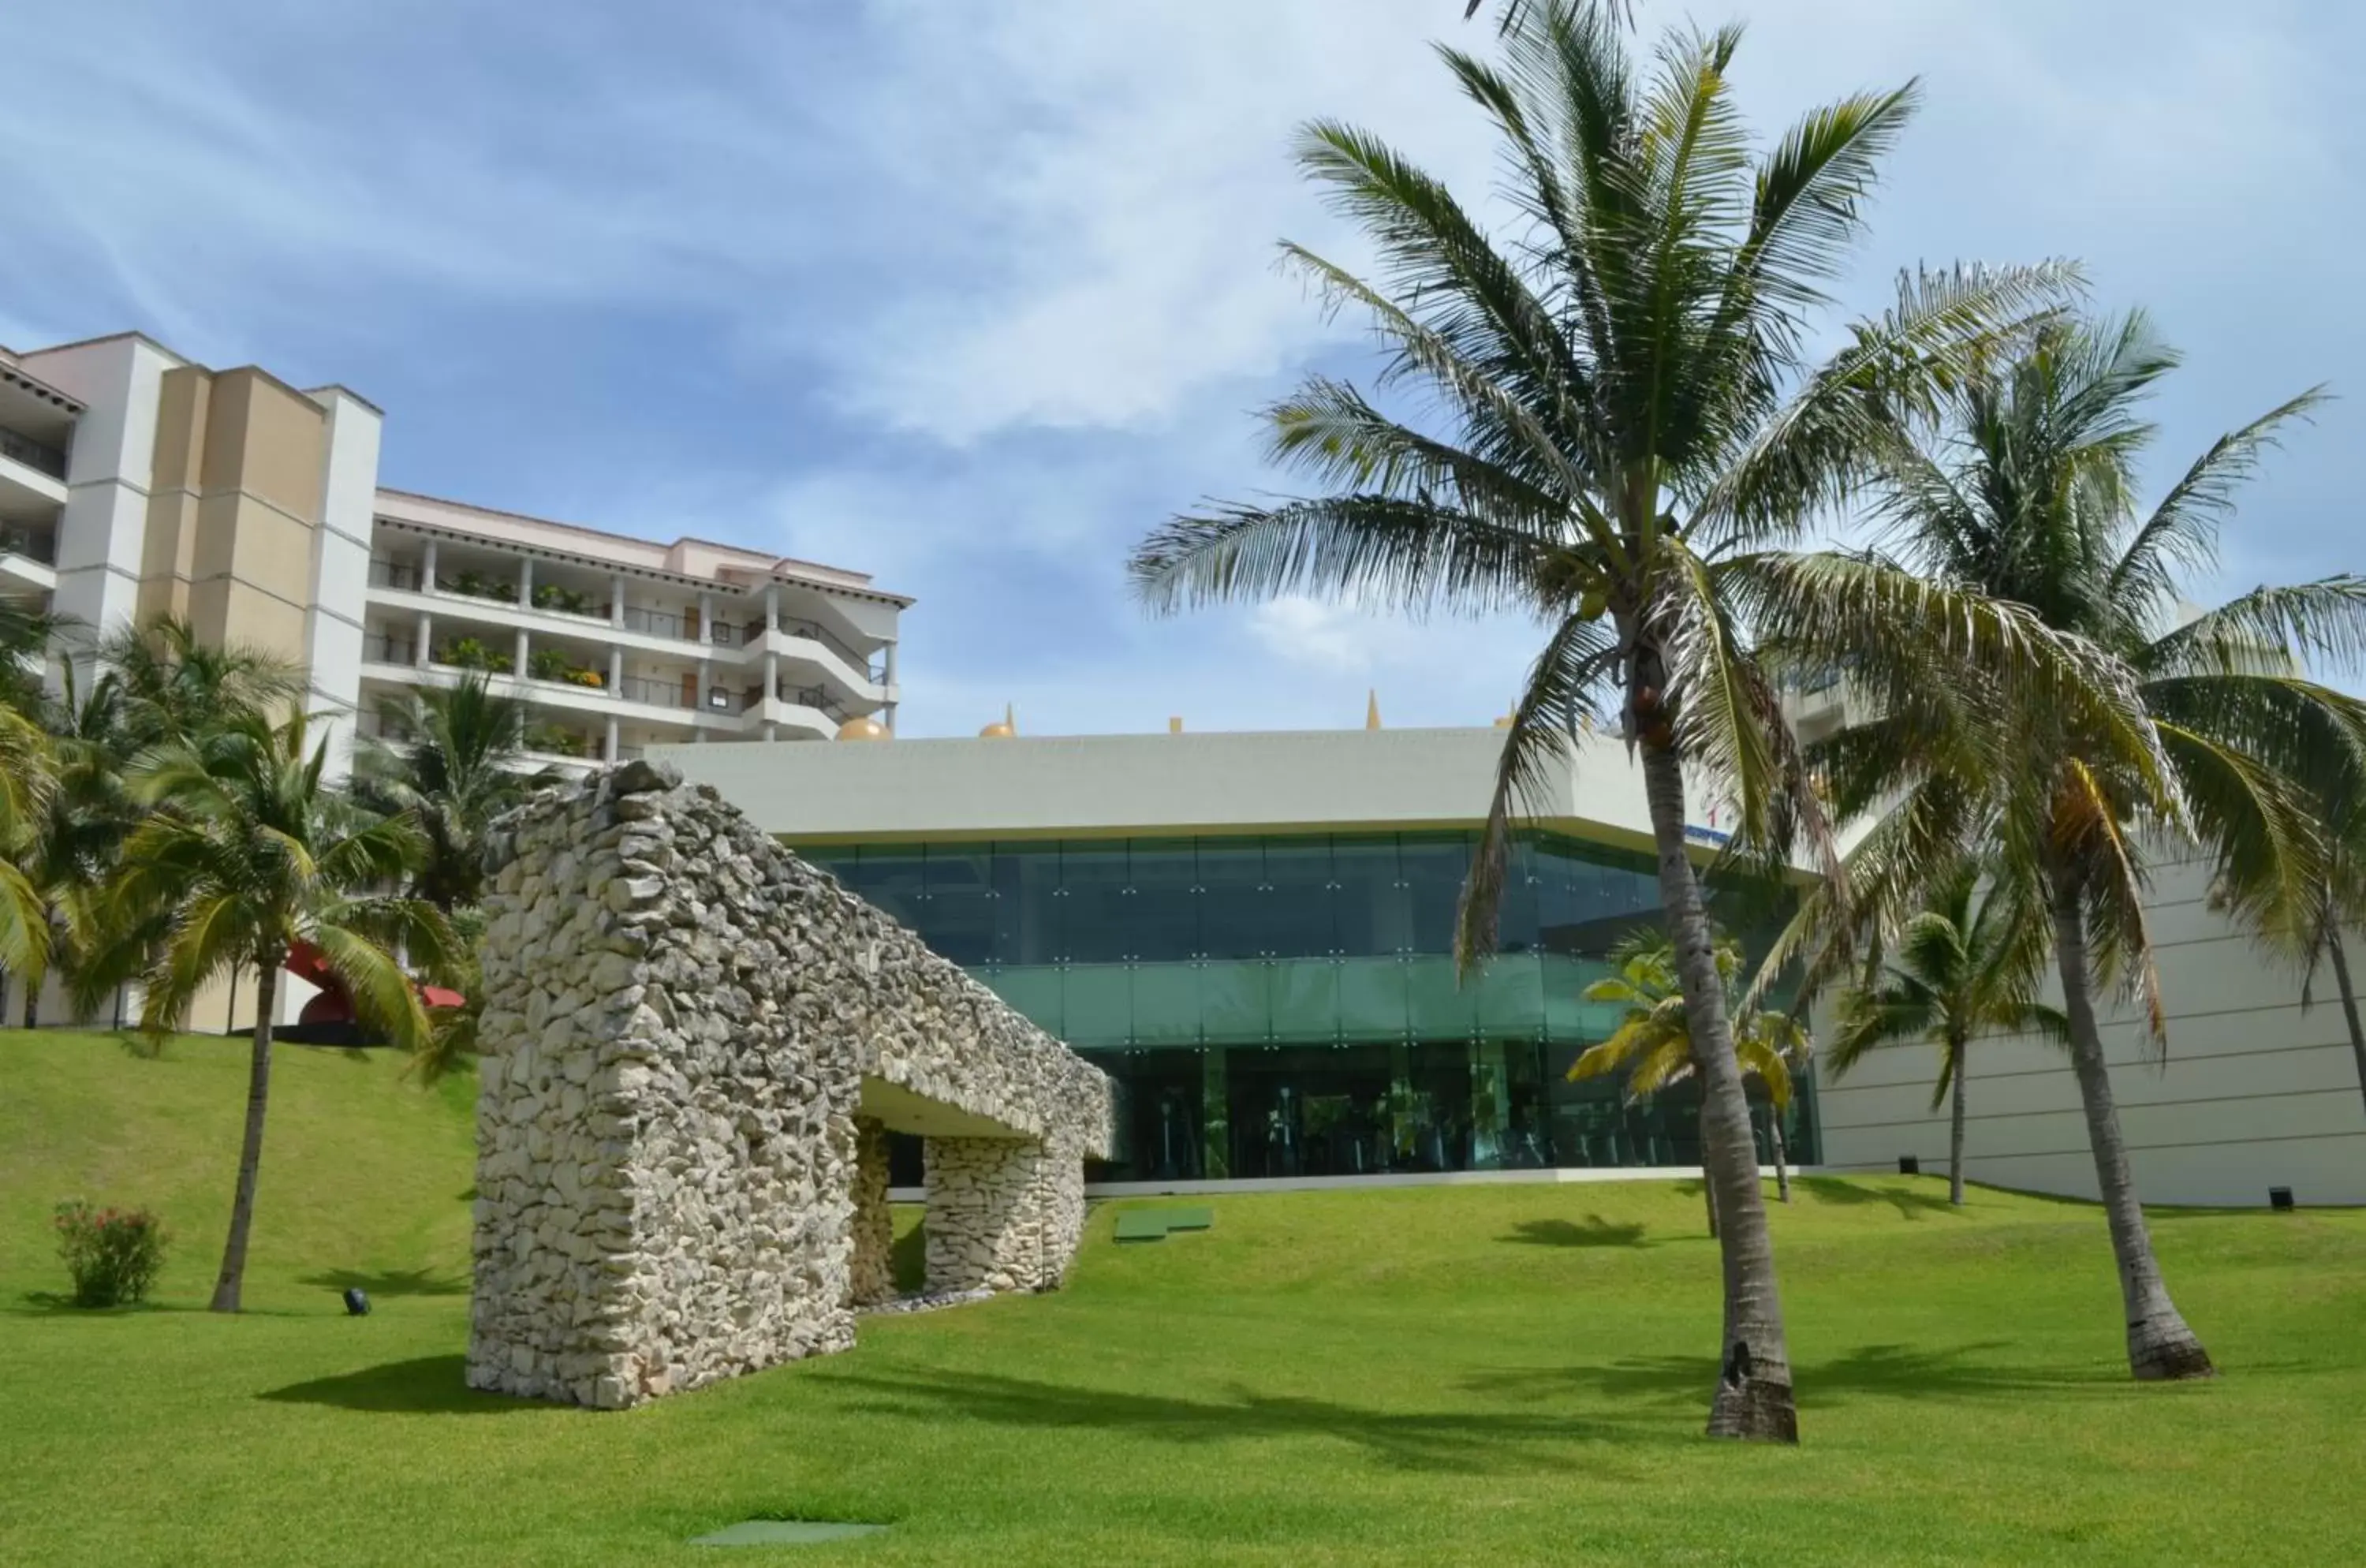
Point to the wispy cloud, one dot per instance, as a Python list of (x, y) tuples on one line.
[(969, 296)]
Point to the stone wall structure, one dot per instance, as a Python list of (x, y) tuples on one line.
[(693, 1046)]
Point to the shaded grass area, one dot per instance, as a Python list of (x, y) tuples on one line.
[(1506, 1374)]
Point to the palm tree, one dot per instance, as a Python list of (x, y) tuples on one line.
[(2024, 489), (251, 854), (1964, 967), (1651, 1047), (457, 769), (1630, 436), (174, 686)]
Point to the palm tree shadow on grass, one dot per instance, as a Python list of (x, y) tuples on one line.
[(1593, 1230), (1955, 1373), (432, 1385), (389, 1282), (1472, 1439), (1849, 1194)]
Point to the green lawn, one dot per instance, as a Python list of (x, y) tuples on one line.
[(1499, 1374)]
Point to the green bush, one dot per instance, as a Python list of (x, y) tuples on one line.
[(112, 1254)]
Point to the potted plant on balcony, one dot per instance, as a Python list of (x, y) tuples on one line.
[(557, 596), (468, 653)]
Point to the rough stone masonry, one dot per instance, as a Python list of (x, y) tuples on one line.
[(693, 1047)]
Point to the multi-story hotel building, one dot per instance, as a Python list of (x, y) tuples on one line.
[(134, 483)]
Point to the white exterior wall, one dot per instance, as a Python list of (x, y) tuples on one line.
[(104, 525), (2252, 1092), (1348, 780), (340, 549)]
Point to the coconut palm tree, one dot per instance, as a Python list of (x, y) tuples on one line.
[(2024, 489), (1651, 1047), (1964, 967), (455, 770), (1625, 437), (249, 853), (174, 686)]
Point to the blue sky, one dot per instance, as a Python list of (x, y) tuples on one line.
[(969, 295)]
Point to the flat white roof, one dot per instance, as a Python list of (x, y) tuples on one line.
[(1109, 785)]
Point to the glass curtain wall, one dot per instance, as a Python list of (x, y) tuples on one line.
[(1287, 1006)]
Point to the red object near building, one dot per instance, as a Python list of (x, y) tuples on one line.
[(333, 1006)]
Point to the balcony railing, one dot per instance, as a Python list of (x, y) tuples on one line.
[(659, 623), (29, 543), (50, 460), (384, 573), (657, 693), (381, 649), (816, 697), (836, 644)]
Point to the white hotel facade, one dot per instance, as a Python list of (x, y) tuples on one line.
[(134, 482), (1250, 931)]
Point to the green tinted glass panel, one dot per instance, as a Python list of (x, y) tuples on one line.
[(1510, 996), (1165, 1003), (1034, 990), (1438, 1006), (1568, 1015), (1373, 909), (1372, 998), (1096, 1001), (1235, 1005), (1433, 870), (1305, 1001), (1305, 908), (1161, 909), (1093, 903)]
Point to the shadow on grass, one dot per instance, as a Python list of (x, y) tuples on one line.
[(1842, 1193), (54, 1304), (1594, 1230), (1472, 1440), (1893, 1371), (908, 1261), (432, 1385), (389, 1282)]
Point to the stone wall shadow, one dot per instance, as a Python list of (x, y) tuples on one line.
[(437, 1385)]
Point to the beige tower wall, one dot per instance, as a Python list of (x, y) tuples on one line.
[(239, 463)]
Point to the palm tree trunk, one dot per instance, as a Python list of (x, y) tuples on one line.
[(2161, 1344), (1955, 1132), (1782, 1156), (2348, 1000), (1709, 1189), (1753, 1388), (250, 1153)]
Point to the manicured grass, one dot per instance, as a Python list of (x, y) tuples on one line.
[(1504, 1374)]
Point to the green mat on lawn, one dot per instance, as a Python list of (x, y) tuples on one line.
[(1152, 1224)]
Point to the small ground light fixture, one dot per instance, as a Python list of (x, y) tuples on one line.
[(2280, 1198), (356, 1301)]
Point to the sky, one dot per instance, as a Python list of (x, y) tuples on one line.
[(971, 295)]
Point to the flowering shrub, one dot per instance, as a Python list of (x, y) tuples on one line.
[(113, 1254)]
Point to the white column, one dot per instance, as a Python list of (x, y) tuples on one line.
[(771, 684), (525, 584), (427, 567), (705, 629), (610, 755), (519, 668), (426, 636), (772, 606), (888, 681), (615, 674), (616, 602)]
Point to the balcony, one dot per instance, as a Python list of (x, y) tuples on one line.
[(381, 649), (33, 544), (37, 455)]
